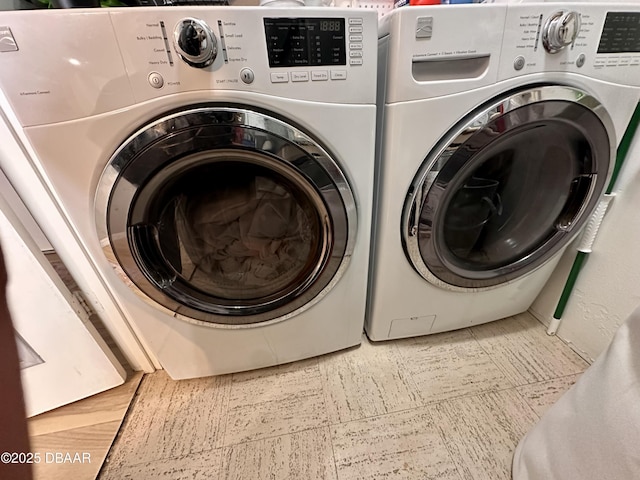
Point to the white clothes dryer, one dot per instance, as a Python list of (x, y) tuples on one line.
[(498, 129), (217, 165)]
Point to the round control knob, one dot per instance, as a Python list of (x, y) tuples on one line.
[(560, 30), (195, 42)]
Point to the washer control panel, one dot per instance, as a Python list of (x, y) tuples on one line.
[(620, 33), (506, 40), (598, 40)]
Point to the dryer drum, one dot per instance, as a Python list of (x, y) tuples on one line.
[(242, 231), (508, 188), (226, 216)]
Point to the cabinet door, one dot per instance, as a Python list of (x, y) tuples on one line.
[(62, 357)]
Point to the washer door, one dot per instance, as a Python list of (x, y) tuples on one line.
[(508, 188), (227, 216)]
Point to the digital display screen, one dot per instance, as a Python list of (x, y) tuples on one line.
[(621, 33), (305, 42)]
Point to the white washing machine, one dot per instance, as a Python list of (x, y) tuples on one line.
[(499, 125), (217, 165)]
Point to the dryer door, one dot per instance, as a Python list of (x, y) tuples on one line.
[(226, 216), (508, 188)]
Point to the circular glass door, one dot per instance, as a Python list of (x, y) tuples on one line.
[(508, 188), (227, 216)]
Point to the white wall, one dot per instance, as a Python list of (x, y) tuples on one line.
[(608, 288)]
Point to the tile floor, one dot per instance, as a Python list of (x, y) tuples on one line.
[(87, 426), (450, 406)]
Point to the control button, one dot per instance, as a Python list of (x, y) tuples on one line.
[(355, 54), (338, 74), (355, 61), (518, 63), (355, 46), (355, 29), (299, 76), (560, 30), (155, 80), (247, 76), (195, 42), (424, 27), (355, 21), (355, 38), (280, 77), (319, 75), (580, 60)]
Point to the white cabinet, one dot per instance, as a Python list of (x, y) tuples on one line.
[(63, 358)]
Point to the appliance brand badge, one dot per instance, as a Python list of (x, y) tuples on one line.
[(7, 42), (424, 27)]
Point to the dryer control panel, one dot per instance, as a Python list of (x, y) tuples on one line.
[(63, 65), (315, 54), (305, 42)]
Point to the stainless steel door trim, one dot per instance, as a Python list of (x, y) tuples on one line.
[(303, 161), (424, 183), (120, 223)]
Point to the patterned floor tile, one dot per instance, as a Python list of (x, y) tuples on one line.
[(481, 432), (301, 455), (275, 401), (365, 382), (450, 365), (540, 396), (450, 406), (172, 419), (524, 352), (199, 466), (403, 445)]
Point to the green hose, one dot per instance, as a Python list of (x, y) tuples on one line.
[(623, 148), (578, 262)]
